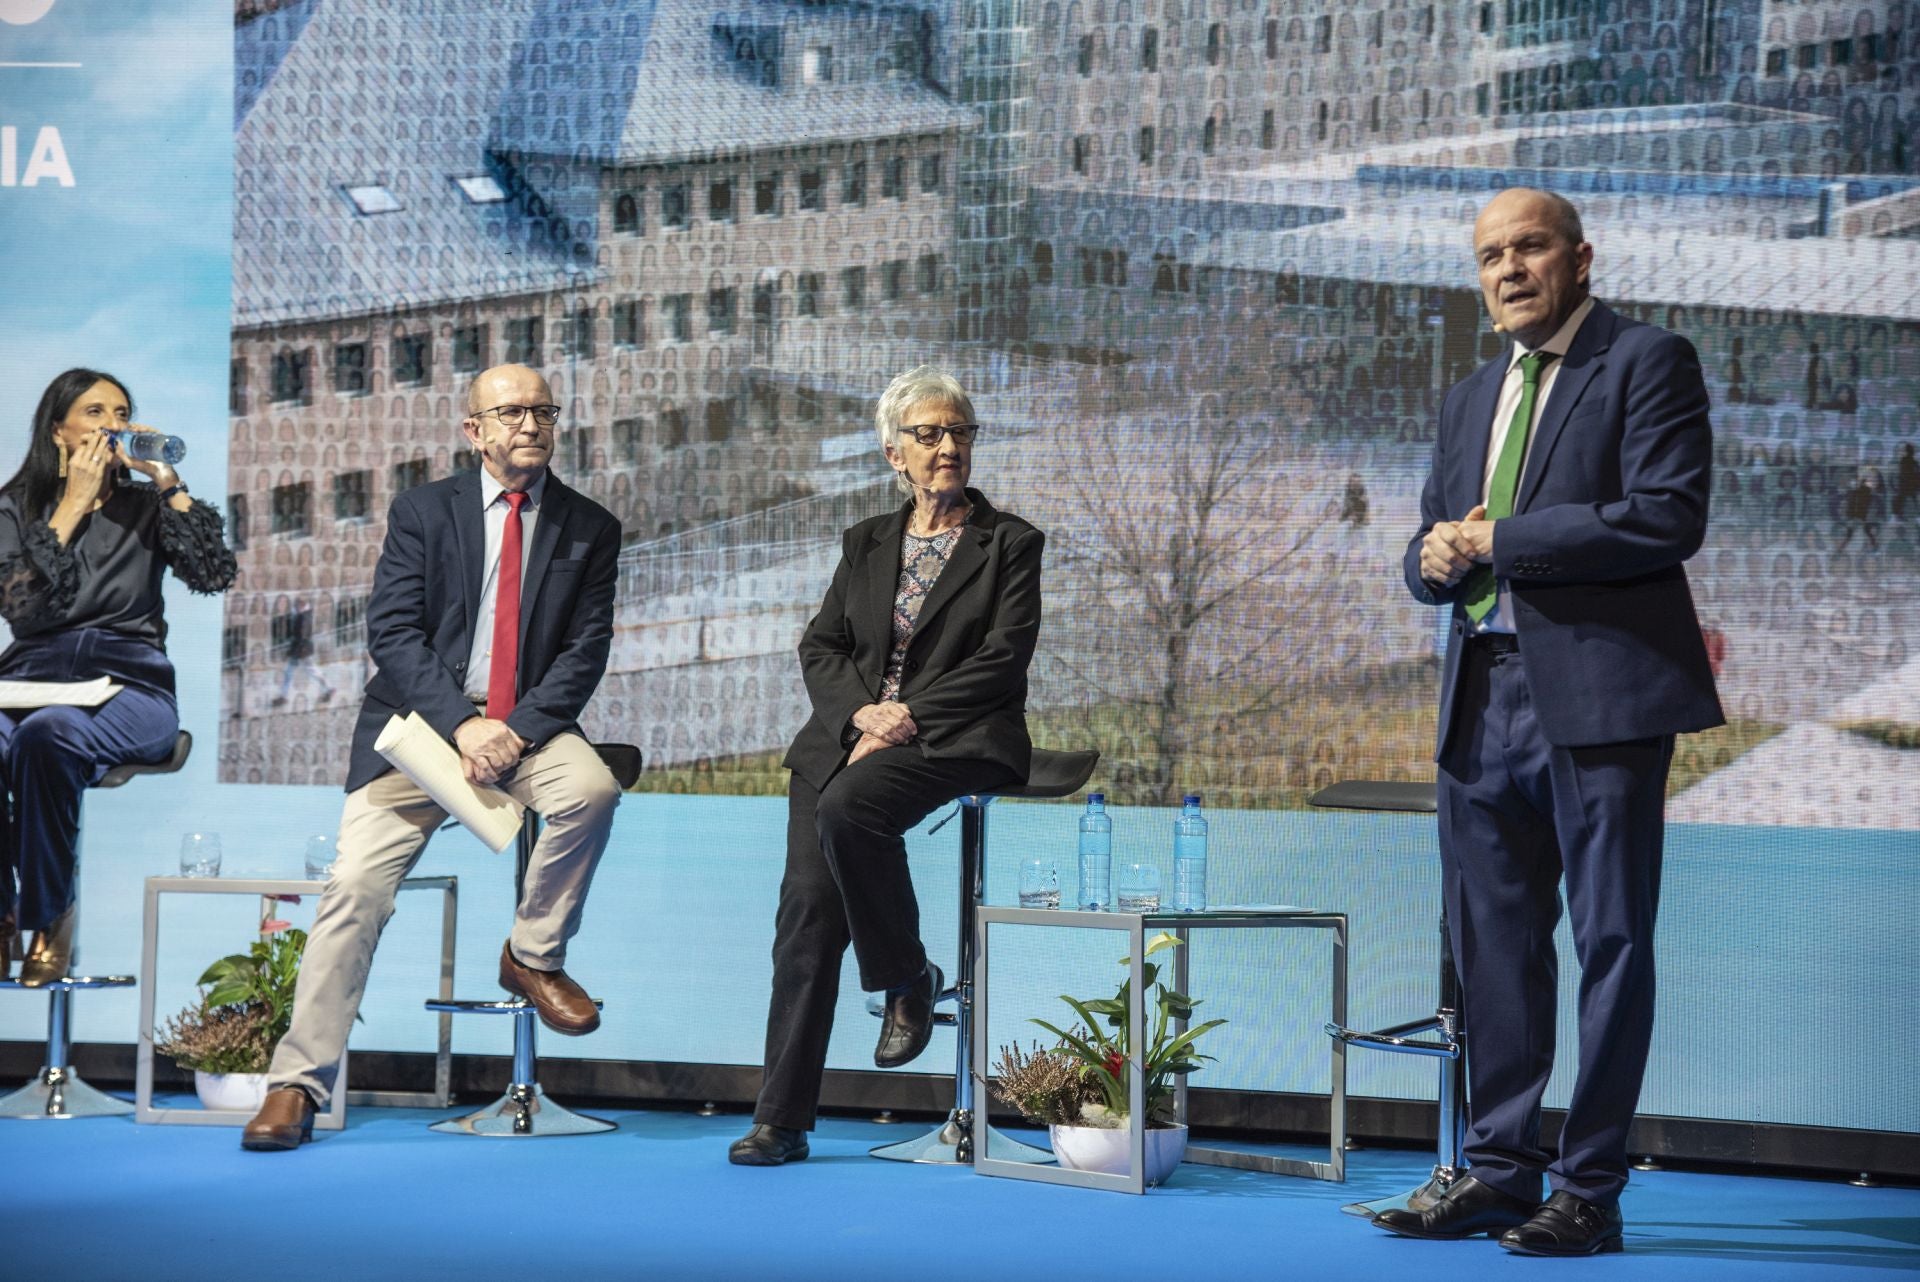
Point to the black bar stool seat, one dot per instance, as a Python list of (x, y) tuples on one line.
[(57, 1091), (525, 1109), (1052, 775)]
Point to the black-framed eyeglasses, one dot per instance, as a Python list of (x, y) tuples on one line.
[(930, 433), (515, 415)]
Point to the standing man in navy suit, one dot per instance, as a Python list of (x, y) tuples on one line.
[(1569, 483), (491, 616)]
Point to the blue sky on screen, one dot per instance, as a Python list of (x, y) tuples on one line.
[(128, 269)]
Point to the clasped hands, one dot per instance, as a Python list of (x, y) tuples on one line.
[(1452, 548), (881, 725), (488, 749)]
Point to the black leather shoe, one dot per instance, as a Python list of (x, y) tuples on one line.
[(907, 1025), (768, 1146), (1469, 1209), (1567, 1225)]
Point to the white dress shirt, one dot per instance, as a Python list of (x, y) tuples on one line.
[(494, 512), (1500, 618)]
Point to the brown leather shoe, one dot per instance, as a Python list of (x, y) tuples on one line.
[(562, 1004), (52, 950), (284, 1121)]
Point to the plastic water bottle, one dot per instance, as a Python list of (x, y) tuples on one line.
[(151, 447), (1190, 857), (1096, 855)]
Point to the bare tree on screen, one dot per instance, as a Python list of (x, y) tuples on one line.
[(1189, 540)]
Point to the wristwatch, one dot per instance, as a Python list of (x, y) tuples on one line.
[(178, 487)]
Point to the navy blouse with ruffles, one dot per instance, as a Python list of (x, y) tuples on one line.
[(108, 577)]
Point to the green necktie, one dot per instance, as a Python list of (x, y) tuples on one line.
[(1481, 588)]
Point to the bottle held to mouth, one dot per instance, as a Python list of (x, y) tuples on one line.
[(150, 447)]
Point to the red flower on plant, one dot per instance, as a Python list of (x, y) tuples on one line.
[(1113, 1062), (274, 925)]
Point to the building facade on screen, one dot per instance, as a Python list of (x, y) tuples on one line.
[(1205, 267)]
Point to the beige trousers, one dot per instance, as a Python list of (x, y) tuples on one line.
[(383, 831)]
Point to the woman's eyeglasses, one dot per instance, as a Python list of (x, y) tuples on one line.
[(930, 433)]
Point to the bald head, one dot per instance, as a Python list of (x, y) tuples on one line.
[(1550, 205), (504, 405), (503, 384), (1533, 260)]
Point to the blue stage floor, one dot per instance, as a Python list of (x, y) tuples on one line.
[(107, 1201)]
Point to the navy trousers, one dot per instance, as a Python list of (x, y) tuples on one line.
[(847, 882), (50, 756), (1516, 815)]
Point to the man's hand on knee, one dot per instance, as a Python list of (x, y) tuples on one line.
[(488, 749)]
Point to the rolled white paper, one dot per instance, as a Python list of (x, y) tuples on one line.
[(417, 751)]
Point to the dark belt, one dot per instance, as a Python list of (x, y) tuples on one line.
[(1498, 644)]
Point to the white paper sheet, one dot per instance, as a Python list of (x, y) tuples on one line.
[(416, 750), (57, 694)]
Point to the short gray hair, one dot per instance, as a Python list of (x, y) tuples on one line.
[(917, 386)]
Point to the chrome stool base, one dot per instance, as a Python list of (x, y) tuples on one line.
[(951, 1144), (57, 1094), (524, 1110)]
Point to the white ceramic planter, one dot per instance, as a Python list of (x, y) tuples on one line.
[(236, 1092), (1096, 1148)]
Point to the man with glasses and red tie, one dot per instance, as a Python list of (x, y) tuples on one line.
[(491, 617)]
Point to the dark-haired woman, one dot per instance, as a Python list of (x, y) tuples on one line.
[(82, 550)]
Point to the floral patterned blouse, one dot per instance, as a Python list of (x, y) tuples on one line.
[(922, 557)]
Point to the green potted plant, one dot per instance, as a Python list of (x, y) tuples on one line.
[(245, 1005), (1078, 1088)]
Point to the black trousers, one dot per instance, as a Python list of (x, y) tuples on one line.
[(1517, 817), (847, 882)]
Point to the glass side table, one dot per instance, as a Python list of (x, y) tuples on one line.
[(1137, 927), (270, 889)]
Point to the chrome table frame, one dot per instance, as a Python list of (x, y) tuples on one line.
[(270, 891), (1180, 925)]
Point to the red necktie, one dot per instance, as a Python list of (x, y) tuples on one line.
[(502, 677)]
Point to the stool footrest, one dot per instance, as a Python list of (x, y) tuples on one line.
[(71, 982), (1388, 1040), (505, 1006), (877, 1007)]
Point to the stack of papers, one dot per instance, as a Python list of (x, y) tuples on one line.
[(57, 694)]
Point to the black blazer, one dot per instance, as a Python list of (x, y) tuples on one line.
[(426, 591), (965, 679), (1613, 499)]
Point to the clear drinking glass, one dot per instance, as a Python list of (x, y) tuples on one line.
[(1039, 883), (320, 856), (200, 854), (1139, 890)]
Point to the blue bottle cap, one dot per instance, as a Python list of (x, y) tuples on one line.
[(1096, 798), (1191, 799)]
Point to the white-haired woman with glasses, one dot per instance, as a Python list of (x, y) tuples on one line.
[(916, 666)]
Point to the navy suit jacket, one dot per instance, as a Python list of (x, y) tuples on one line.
[(426, 592), (1612, 500), (965, 677)]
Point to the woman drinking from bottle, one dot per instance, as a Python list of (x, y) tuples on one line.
[(82, 550)]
